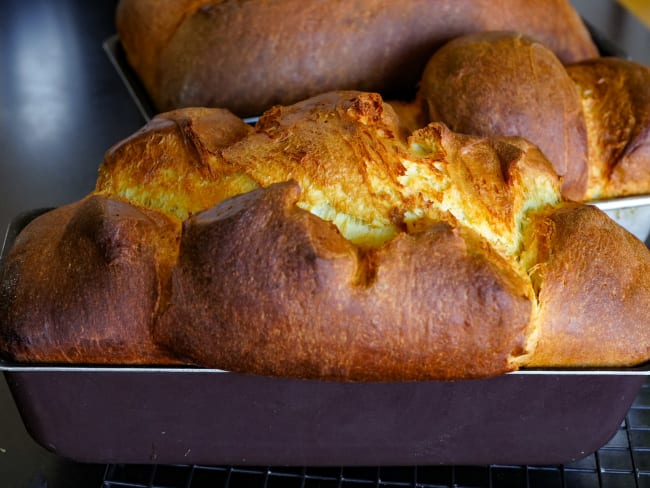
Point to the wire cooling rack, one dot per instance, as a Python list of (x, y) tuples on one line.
[(623, 462)]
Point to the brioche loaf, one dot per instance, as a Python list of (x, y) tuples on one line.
[(591, 119), (250, 55), (332, 244)]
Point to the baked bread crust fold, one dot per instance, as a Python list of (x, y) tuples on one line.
[(593, 291), (505, 84), (174, 163)]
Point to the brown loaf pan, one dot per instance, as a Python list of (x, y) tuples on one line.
[(196, 416)]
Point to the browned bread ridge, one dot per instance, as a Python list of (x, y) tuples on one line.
[(181, 151), (83, 282), (249, 55), (592, 290), (355, 251)]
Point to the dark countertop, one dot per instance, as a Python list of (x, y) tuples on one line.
[(62, 105)]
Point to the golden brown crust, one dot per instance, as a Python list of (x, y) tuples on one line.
[(431, 305), (174, 163), (593, 289), (248, 55), (82, 283), (505, 84), (616, 103)]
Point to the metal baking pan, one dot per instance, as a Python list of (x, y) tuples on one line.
[(205, 416)]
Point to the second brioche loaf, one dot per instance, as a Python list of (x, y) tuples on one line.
[(249, 55)]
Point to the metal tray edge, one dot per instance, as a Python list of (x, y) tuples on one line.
[(619, 203)]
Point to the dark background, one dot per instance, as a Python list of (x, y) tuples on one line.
[(62, 105)]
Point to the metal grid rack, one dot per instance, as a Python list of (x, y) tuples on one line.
[(623, 462)]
